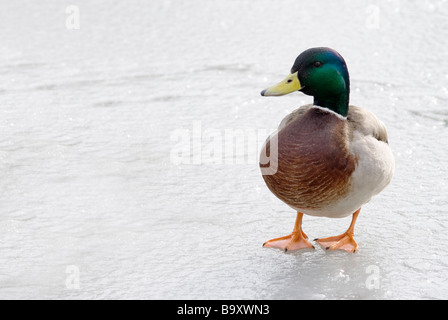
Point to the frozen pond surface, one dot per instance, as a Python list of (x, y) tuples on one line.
[(90, 185)]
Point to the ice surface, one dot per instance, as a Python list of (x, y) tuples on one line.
[(94, 204)]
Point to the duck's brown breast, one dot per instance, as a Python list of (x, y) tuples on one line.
[(313, 165)]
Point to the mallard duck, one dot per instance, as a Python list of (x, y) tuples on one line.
[(326, 159)]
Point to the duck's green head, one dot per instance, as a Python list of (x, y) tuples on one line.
[(321, 73)]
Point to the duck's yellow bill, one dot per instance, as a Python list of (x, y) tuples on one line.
[(290, 84)]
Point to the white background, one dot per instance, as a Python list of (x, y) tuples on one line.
[(92, 204)]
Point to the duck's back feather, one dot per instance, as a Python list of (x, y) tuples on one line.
[(360, 119), (366, 123)]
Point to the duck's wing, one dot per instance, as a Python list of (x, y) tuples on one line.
[(366, 123)]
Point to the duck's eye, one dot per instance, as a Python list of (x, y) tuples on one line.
[(317, 64), (289, 81)]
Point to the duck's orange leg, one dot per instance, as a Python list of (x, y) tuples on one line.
[(345, 241), (295, 241)]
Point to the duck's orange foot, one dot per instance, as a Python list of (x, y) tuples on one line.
[(345, 242), (294, 241)]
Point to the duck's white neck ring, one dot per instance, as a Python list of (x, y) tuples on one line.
[(330, 111)]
